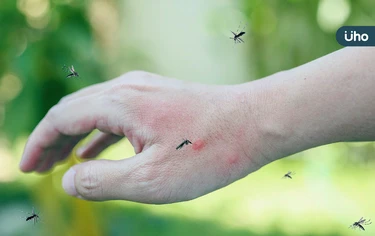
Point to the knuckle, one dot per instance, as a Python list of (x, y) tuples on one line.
[(139, 77), (65, 99), (53, 112), (117, 93), (137, 73), (90, 185), (115, 89)]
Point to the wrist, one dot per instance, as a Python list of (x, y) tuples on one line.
[(263, 133), (270, 104), (318, 103)]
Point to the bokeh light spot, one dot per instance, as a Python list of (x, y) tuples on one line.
[(36, 12), (10, 87), (332, 14)]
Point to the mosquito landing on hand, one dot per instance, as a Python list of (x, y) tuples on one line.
[(71, 71), (185, 142), (288, 175), (360, 224), (238, 34)]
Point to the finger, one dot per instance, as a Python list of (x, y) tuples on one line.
[(133, 179), (95, 146), (41, 167), (75, 118), (45, 165), (45, 159), (57, 155)]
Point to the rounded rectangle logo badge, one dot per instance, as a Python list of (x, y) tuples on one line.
[(356, 36)]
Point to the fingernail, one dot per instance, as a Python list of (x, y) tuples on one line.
[(68, 182), (22, 161), (21, 164), (80, 151)]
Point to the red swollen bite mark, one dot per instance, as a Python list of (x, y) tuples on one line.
[(233, 159), (198, 145)]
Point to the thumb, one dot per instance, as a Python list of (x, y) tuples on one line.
[(128, 179)]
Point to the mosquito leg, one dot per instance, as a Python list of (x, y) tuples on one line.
[(244, 27), (238, 28)]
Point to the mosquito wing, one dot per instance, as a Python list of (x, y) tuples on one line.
[(71, 68)]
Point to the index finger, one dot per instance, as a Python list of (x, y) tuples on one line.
[(57, 133)]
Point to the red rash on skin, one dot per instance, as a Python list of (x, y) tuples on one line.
[(198, 145), (233, 159)]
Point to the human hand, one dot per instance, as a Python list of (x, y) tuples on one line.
[(234, 130), (156, 114)]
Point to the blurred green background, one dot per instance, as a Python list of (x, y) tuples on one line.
[(188, 40)]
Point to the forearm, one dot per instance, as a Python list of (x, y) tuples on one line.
[(331, 99)]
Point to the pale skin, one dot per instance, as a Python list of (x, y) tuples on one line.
[(234, 129)]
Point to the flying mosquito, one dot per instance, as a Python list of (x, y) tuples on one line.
[(33, 216), (185, 142), (289, 175), (71, 71), (237, 35), (360, 224)]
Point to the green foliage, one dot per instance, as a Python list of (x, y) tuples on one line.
[(36, 57)]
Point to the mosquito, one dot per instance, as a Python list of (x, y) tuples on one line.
[(360, 224), (71, 71), (185, 142), (289, 175), (237, 36), (33, 216)]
